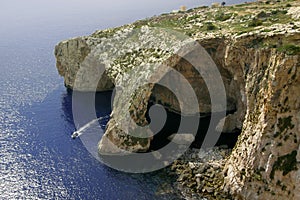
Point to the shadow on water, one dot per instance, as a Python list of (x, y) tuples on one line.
[(126, 185), (172, 124), (149, 183), (102, 104)]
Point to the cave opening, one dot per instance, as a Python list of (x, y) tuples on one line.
[(172, 123)]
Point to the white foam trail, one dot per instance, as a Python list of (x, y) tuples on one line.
[(80, 131)]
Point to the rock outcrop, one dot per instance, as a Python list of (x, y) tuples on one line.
[(266, 150), (256, 49), (70, 55)]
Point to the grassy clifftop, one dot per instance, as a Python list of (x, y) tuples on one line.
[(256, 48), (261, 17)]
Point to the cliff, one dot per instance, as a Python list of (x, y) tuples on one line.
[(255, 48)]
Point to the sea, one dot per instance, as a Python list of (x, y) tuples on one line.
[(38, 158)]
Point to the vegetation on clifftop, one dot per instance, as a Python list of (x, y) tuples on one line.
[(265, 18), (263, 28)]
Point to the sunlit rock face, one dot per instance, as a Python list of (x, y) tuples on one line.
[(73, 54), (257, 168), (259, 66)]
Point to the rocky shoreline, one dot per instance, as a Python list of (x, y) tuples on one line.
[(255, 47), (201, 173), (197, 174)]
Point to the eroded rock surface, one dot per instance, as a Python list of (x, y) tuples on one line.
[(256, 49)]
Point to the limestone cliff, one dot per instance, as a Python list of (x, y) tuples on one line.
[(255, 47)]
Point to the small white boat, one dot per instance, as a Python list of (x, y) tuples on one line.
[(75, 135)]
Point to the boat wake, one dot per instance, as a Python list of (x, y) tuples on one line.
[(81, 130)]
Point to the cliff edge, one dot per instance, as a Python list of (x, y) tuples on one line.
[(256, 49)]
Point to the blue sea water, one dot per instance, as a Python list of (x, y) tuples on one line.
[(38, 158)]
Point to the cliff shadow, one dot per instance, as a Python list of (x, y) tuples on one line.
[(171, 127)]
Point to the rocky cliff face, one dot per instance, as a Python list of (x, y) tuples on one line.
[(264, 162), (70, 56), (256, 50)]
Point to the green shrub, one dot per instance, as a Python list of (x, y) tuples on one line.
[(210, 26), (290, 49), (223, 17), (275, 12), (262, 14), (255, 22), (285, 164)]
